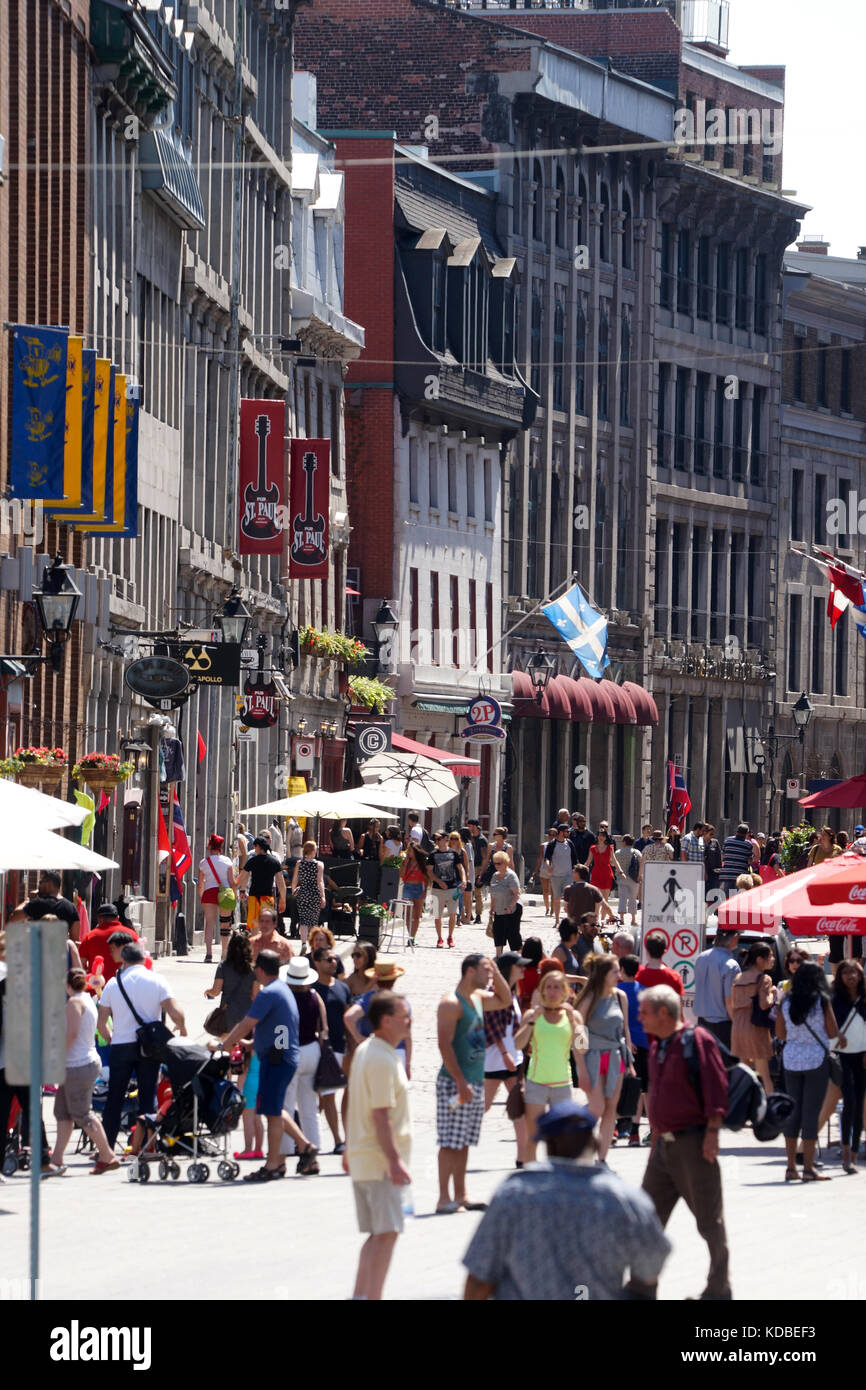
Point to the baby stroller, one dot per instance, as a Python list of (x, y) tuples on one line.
[(205, 1107), (15, 1155)]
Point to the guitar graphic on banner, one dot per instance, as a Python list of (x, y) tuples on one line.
[(308, 531), (259, 521)]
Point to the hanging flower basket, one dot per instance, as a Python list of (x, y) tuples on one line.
[(10, 767), (102, 771), (38, 766), (367, 693), (331, 646)]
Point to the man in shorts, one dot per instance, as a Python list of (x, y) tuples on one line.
[(460, 1083), (262, 876), (379, 1140)]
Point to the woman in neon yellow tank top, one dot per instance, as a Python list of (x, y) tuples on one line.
[(553, 1029)]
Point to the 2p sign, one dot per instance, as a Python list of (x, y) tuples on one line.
[(484, 718)]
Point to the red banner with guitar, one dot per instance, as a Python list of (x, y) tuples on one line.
[(310, 508), (262, 485)]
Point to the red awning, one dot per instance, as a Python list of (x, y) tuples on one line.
[(644, 704), (623, 704), (603, 707), (581, 707), (523, 696), (459, 765), (558, 699)]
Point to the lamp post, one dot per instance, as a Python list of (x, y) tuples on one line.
[(801, 713), (385, 626), (234, 618), (57, 605), (540, 668)]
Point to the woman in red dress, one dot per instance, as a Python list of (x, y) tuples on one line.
[(600, 861)]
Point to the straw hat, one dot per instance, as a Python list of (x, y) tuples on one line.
[(300, 972), (384, 971)]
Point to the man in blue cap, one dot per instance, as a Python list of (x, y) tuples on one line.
[(566, 1229)]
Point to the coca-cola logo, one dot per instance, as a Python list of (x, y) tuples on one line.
[(838, 926), (857, 893)]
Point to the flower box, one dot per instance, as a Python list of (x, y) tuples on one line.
[(102, 771), (41, 774)]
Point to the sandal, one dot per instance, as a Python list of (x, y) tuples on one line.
[(791, 1175), (809, 1175), (307, 1165), (265, 1175)]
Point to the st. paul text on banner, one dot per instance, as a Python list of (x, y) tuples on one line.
[(310, 508), (262, 483)]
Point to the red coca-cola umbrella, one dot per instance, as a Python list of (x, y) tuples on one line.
[(790, 901), (851, 794)]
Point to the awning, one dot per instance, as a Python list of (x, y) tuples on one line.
[(581, 706), (460, 766), (645, 706), (558, 699), (523, 698), (603, 707), (623, 703)]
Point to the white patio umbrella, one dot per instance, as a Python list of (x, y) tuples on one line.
[(411, 775), (31, 807), (395, 801), (329, 805), (28, 846)]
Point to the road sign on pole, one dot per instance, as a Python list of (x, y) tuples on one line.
[(673, 907)]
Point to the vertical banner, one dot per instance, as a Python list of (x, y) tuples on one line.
[(262, 478), (38, 411), (122, 504), (73, 426), (310, 508), (85, 476)]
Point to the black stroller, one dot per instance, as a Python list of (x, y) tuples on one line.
[(205, 1107)]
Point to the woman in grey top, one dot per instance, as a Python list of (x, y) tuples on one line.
[(235, 981), (505, 910), (601, 1070)]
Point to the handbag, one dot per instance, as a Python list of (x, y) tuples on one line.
[(329, 1074), (152, 1037), (832, 1057), (216, 1021), (515, 1106), (761, 1018), (226, 897)]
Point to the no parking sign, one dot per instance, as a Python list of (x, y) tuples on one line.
[(672, 906)]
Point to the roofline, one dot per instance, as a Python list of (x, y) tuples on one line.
[(699, 58), (357, 134), (407, 156)]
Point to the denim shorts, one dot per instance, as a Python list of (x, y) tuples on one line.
[(413, 891), (274, 1081)]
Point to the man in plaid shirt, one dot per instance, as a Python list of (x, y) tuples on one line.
[(692, 845)]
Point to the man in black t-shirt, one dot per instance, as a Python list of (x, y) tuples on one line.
[(263, 873), (49, 903), (336, 997), (477, 847), (581, 836)]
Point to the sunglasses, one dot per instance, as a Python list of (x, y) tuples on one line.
[(357, 955)]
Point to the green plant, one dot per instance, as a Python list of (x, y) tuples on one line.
[(333, 646), (10, 767), (370, 693), (45, 757), (373, 910), (393, 861), (794, 845), (102, 762)]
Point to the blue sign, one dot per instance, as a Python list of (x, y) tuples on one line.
[(485, 721), (38, 411)]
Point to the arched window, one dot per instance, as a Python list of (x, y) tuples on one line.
[(603, 366), (624, 370), (580, 362), (561, 208), (627, 232), (558, 356), (538, 204), (604, 229)]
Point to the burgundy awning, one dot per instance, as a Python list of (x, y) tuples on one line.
[(461, 766), (558, 699), (603, 707), (645, 706), (525, 704), (625, 710), (581, 706)]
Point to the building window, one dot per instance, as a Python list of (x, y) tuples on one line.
[(604, 225), (473, 623), (730, 155), (470, 485), (561, 208), (684, 272), (702, 443), (842, 538), (820, 533), (723, 281), (335, 433), (667, 267), (823, 397), (840, 634), (455, 620), (580, 362), (768, 168), (413, 470), (624, 371), (488, 490), (535, 344), (720, 469), (762, 307), (799, 355), (705, 280), (558, 356), (743, 296), (754, 572), (797, 505), (662, 440), (627, 233), (535, 543), (434, 616), (488, 623), (452, 481), (679, 595), (795, 621), (819, 623), (538, 203), (736, 592), (739, 458), (438, 290), (583, 198), (603, 366), (414, 617), (508, 328), (433, 465), (758, 460), (681, 391), (699, 584), (660, 617), (718, 619), (845, 381)]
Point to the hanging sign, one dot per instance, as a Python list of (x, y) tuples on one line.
[(371, 739), (210, 663), (261, 493), (309, 509), (303, 754), (484, 718), (260, 709)]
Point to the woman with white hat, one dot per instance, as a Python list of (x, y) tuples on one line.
[(312, 1027)]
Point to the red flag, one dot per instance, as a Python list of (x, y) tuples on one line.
[(181, 854), (202, 747), (104, 800), (262, 474), (310, 490), (679, 801), (162, 840), (844, 589)]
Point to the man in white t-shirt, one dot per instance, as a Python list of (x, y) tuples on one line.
[(416, 832), (149, 996)]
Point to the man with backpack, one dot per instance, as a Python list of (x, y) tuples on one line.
[(628, 859), (688, 1100)]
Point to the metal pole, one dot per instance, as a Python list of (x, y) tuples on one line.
[(34, 932), (234, 345)]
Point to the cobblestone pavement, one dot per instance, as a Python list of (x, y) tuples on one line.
[(298, 1239)]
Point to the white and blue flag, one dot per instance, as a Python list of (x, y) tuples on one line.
[(582, 628)]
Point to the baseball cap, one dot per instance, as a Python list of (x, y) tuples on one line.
[(107, 910), (565, 1118), (858, 829), (511, 958)]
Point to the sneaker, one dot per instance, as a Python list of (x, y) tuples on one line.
[(647, 1140), (440, 942), (451, 941), (208, 958), (249, 1153), (634, 1141)]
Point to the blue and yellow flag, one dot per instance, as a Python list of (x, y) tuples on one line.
[(103, 447), (39, 357), (83, 475), (122, 520), (74, 420)]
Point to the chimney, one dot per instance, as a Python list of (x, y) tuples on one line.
[(304, 98), (813, 246)]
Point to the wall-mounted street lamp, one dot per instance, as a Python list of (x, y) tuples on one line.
[(301, 725), (234, 618), (540, 668), (385, 626), (57, 605), (328, 728)]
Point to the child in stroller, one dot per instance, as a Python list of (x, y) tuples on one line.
[(204, 1108)]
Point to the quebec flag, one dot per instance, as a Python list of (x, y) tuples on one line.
[(582, 628)]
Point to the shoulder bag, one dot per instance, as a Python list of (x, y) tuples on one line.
[(329, 1074), (761, 1018), (832, 1057), (152, 1037), (226, 897)]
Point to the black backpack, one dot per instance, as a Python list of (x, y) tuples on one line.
[(748, 1103), (427, 843), (634, 867)]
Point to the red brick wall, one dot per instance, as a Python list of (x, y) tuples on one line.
[(643, 43), (369, 300)]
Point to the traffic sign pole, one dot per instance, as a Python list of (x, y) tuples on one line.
[(34, 932)]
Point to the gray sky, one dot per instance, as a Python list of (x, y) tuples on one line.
[(822, 45)]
